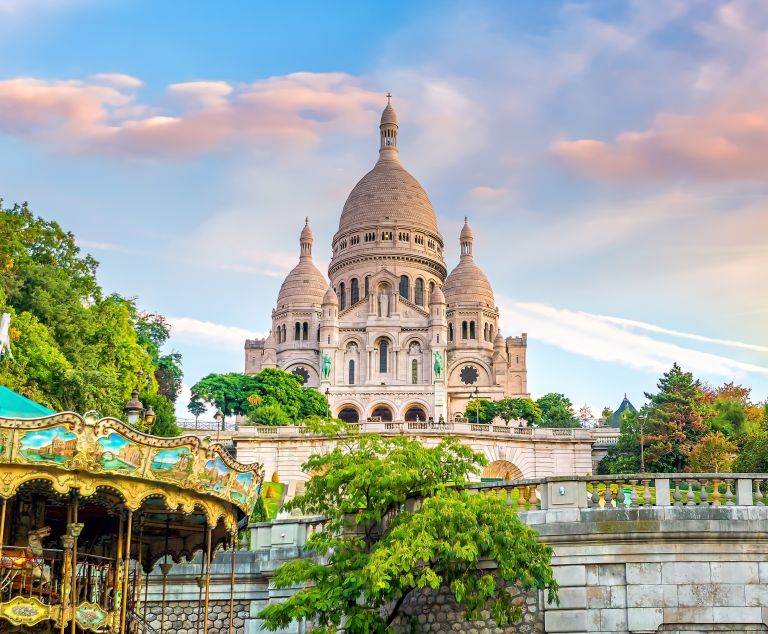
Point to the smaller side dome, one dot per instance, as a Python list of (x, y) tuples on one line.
[(304, 285), (467, 284), (330, 298), (389, 116), (498, 341), (437, 297), (466, 232)]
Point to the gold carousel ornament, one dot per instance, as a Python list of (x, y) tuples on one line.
[(88, 507)]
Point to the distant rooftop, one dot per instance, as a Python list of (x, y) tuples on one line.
[(616, 417)]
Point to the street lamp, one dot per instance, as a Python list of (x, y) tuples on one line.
[(133, 409), (642, 420), (328, 409)]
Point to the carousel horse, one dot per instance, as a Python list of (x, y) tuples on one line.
[(23, 562)]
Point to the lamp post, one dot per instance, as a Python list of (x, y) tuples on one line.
[(219, 418), (328, 409), (642, 420)]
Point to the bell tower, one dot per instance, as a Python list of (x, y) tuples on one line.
[(388, 131)]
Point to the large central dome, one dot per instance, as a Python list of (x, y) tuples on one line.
[(388, 192)]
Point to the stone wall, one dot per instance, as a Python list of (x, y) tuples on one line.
[(182, 617), (436, 611)]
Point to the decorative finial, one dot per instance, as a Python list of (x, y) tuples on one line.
[(389, 97), (465, 220), (306, 221)]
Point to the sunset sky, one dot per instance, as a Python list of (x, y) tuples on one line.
[(612, 158)]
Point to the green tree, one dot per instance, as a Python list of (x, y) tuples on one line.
[(557, 411), (154, 331), (753, 455), (165, 418), (375, 554), (677, 420), (227, 392), (516, 408), (196, 407), (714, 453), (606, 415), (480, 410), (270, 414), (74, 348)]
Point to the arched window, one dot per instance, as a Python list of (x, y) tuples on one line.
[(450, 332), (297, 332), (285, 333), (342, 296), (414, 371), (305, 331), (404, 286), (383, 352), (354, 291), (431, 287), (485, 332), (463, 329), (318, 333), (471, 329), (490, 333), (418, 292), (367, 285), (351, 371)]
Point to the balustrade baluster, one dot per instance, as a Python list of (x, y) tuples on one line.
[(703, 496), (532, 499), (595, 496), (633, 496), (503, 495), (691, 498), (758, 494), (620, 495), (520, 498), (607, 497), (728, 493), (677, 495), (646, 492), (715, 492)]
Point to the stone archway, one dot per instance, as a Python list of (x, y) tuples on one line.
[(501, 470), (382, 411), (414, 412), (349, 414)]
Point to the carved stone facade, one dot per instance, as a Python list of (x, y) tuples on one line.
[(393, 336)]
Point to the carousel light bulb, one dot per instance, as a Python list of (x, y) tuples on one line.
[(149, 416)]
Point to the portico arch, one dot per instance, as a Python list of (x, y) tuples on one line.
[(348, 413), (501, 470), (415, 411), (384, 411)]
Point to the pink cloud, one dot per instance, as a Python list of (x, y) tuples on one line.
[(102, 115), (487, 193), (723, 143)]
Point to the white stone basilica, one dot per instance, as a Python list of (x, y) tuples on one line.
[(393, 337)]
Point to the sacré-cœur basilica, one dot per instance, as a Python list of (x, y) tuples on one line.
[(394, 336)]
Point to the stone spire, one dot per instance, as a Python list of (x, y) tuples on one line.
[(388, 132), (306, 239)]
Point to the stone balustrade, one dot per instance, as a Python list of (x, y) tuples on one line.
[(427, 427)]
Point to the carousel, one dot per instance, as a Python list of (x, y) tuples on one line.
[(89, 507)]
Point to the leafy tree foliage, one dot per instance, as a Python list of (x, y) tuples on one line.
[(557, 411), (196, 407), (480, 410), (154, 331), (605, 415), (516, 408), (271, 397), (753, 455), (74, 348), (375, 554), (624, 456), (714, 453), (677, 416)]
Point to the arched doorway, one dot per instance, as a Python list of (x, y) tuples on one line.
[(415, 412), (382, 411), (501, 470), (349, 414)]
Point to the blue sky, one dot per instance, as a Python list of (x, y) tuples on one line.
[(610, 156)]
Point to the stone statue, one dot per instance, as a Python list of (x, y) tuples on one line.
[(438, 367), (384, 304), (5, 335), (326, 365)]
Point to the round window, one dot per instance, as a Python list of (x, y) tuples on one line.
[(468, 375), (302, 373)]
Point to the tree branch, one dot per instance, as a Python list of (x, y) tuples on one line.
[(398, 605)]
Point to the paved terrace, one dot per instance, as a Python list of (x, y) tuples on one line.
[(645, 553)]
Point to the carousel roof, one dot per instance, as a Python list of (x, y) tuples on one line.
[(14, 405)]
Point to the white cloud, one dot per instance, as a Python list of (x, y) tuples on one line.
[(210, 334), (615, 340)]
